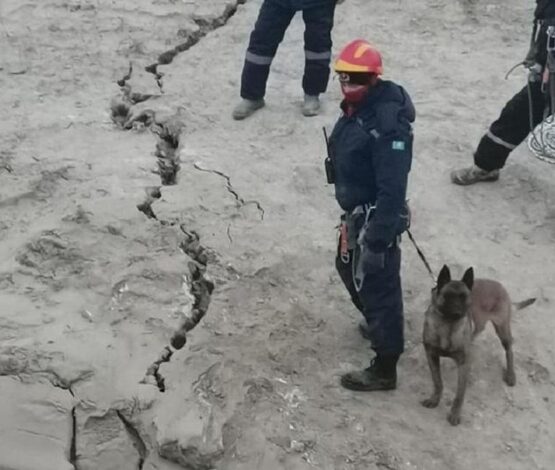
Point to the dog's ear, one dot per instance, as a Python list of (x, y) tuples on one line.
[(468, 278), (443, 278)]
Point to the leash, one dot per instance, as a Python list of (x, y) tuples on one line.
[(421, 255)]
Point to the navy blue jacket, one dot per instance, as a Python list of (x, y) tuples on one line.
[(544, 9), (372, 154)]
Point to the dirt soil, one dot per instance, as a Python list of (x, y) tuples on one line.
[(133, 205)]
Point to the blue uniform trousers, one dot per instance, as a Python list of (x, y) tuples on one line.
[(380, 301), (273, 20)]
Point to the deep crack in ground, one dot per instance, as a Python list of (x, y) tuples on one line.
[(168, 132), (72, 457), (204, 27), (201, 289), (73, 447), (136, 438)]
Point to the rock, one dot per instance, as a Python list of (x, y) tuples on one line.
[(189, 442), (103, 442), (297, 446)]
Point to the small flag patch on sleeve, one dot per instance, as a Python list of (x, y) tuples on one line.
[(398, 145)]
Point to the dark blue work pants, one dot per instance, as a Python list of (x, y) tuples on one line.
[(380, 301), (510, 129), (273, 20)]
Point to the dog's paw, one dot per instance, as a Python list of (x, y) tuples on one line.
[(430, 402), (454, 418), (509, 378)]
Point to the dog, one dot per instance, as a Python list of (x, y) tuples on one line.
[(458, 312)]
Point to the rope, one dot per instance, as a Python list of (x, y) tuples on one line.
[(542, 140)]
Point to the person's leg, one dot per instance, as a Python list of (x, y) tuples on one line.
[(345, 270), (510, 129), (382, 299), (318, 44), (270, 27), (507, 132)]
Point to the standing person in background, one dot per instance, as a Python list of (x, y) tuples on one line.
[(522, 111), (273, 20)]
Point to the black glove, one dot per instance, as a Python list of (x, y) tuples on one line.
[(368, 262), (371, 261)]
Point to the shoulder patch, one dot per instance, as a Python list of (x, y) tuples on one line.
[(398, 145)]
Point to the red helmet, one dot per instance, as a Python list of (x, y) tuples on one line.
[(359, 56)]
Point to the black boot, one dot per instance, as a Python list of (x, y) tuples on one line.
[(381, 375)]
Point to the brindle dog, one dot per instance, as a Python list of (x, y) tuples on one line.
[(458, 312)]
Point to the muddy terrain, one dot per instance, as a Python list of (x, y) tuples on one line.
[(136, 214)]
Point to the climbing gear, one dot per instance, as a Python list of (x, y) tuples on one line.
[(542, 138), (531, 61), (311, 106), (356, 222), (247, 107), (350, 226), (473, 174), (344, 242), (357, 268), (359, 56)]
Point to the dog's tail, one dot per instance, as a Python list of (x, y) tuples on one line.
[(524, 303)]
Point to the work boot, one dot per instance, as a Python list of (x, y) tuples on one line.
[(364, 330), (473, 174), (311, 105), (247, 107), (381, 375)]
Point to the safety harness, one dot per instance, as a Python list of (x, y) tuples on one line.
[(355, 221)]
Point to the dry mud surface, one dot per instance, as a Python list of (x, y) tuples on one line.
[(236, 218)]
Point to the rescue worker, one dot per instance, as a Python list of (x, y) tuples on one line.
[(516, 119), (270, 27), (370, 150)]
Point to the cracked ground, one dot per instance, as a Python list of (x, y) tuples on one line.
[(167, 292)]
